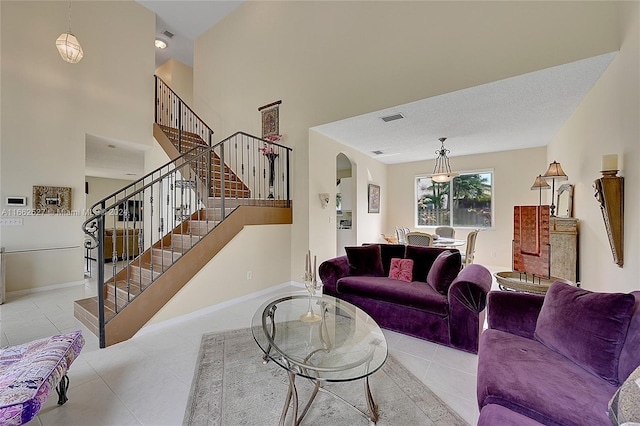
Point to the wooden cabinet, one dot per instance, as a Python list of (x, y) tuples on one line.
[(563, 239)]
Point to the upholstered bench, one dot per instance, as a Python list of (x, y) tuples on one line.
[(29, 371)]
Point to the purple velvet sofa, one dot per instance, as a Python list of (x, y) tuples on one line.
[(441, 303), (556, 359)]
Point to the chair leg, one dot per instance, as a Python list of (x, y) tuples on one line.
[(61, 389)]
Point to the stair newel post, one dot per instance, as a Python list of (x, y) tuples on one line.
[(180, 127), (222, 182), (100, 289), (288, 179)]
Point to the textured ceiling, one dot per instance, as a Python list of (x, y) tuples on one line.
[(519, 112)]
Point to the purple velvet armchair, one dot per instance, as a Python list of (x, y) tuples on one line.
[(438, 301), (556, 359)]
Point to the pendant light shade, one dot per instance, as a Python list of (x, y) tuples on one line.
[(442, 169), (69, 48), (68, 45)]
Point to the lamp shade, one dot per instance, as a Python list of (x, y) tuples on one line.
[(540, 183), (555, 171), (69, 48)]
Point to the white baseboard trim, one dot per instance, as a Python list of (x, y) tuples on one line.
[(151, 328), (17, 293)]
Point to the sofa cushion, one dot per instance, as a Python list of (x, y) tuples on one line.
[(444, 270), (423, 258), (388, 252), (588, 328), (401, 269), (527, 377), (630, 355), (624, 407), (365, 261), (393, 291)]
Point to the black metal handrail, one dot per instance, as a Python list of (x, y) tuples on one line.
[(161, 216), (173, 113)]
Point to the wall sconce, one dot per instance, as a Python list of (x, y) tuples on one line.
[(609, 191), (554, 172), (324, 199)]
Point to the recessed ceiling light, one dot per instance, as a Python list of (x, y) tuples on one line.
[(160, 44)]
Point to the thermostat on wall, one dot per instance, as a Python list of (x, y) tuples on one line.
[(16, 201)]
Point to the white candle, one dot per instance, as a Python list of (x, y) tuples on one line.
[(609, 162), (314, 267)]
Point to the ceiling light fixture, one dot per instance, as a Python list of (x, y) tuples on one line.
[(68, 45), (161, 44), (442, 169)]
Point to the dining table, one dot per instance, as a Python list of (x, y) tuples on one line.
[(448, 242)]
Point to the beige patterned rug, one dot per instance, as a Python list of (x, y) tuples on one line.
[(231, 386)]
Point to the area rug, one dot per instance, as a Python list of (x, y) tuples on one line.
[(232, 386)]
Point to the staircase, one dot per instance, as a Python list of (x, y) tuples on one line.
[(185, 212)]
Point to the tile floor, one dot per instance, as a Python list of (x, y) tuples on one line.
[(146, 380)]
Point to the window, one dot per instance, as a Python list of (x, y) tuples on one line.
[(466, 201)]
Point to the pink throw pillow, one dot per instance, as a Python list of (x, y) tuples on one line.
[(401, 269)]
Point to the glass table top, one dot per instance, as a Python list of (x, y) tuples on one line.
[(339, 343)]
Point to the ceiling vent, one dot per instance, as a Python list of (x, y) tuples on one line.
[(377, 152), (168, 33), (393, 117)]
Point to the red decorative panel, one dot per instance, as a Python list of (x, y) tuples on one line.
[(531, 250)]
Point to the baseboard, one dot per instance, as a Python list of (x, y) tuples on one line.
[(18, 293), (209, 309)]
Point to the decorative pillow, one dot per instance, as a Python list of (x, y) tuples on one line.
[(624, 407), (588, 328), (401, 269), (423, 258), (444, 270), (365, 261)]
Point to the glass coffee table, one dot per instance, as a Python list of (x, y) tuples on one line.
[(339, 343)]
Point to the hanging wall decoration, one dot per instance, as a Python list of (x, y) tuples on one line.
[(51, 199), (271, 121)]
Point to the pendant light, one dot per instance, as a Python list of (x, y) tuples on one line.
[(442, 169), (68, 45)]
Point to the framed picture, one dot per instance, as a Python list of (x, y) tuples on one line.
[(374, 198), (51, 199)]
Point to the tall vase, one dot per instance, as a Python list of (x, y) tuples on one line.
[(272, 159)]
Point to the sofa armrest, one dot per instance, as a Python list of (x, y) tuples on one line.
[(331, 271), (515, 313), (467, 300)]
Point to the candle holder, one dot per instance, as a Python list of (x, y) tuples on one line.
[(312, 287)]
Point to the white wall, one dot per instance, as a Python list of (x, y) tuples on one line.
[(607, 122), (332, 60), (225, 277), (513, 174), (53, 105), (179, 77)]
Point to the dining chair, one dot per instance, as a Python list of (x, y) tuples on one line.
[(469, 254), (445, 231), (401, 233), (419, 239)]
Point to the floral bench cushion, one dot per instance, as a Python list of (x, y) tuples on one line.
[(29, 372)]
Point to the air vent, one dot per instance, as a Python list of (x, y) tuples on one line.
[(377, 152), (393, 117), (168, 33)]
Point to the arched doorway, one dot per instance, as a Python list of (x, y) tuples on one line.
[(345, 204)]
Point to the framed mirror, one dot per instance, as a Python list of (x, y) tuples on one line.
[(565, 200)]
